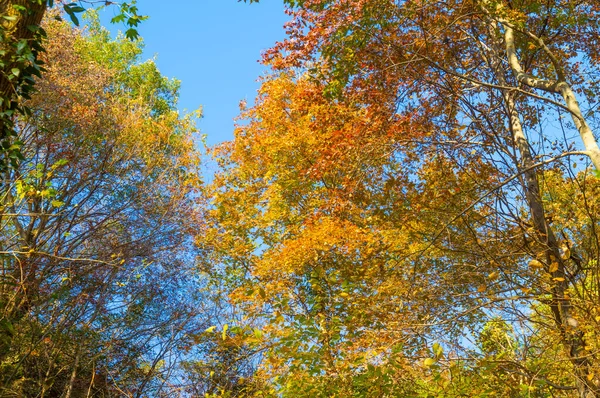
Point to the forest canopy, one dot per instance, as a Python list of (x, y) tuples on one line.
[(408, 208)]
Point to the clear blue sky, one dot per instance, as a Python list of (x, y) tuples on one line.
[(212, 46)]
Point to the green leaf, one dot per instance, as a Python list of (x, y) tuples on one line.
[(118, 18), (74, 19), (19, 8), (131, 34), (437, 350), (7, 327), (77, 9)]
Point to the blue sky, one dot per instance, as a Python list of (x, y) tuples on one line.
[(212, 46)]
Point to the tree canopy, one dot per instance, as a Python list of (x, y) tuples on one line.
[(409, 205), (409, 208), (96, 221)]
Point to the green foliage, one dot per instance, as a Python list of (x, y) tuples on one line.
[(22, 43)]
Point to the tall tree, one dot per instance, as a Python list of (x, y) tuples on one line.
[(421, 170), (94, 295)]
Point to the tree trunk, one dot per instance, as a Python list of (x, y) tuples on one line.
[(18, 20), (572, 336)]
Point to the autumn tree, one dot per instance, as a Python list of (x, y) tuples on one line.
[(95, 292), (411, 173), (22, 41)]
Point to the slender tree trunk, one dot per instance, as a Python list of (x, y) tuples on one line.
[(559, 86), (572, 336), (45, 384), (73, 375), (89, 391)]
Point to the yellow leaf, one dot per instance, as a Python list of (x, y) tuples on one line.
[(429, 362), (536, 264), (224, 334), (481, 288), (558, 279), (493, 275), (590, 376), (553, 267)]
